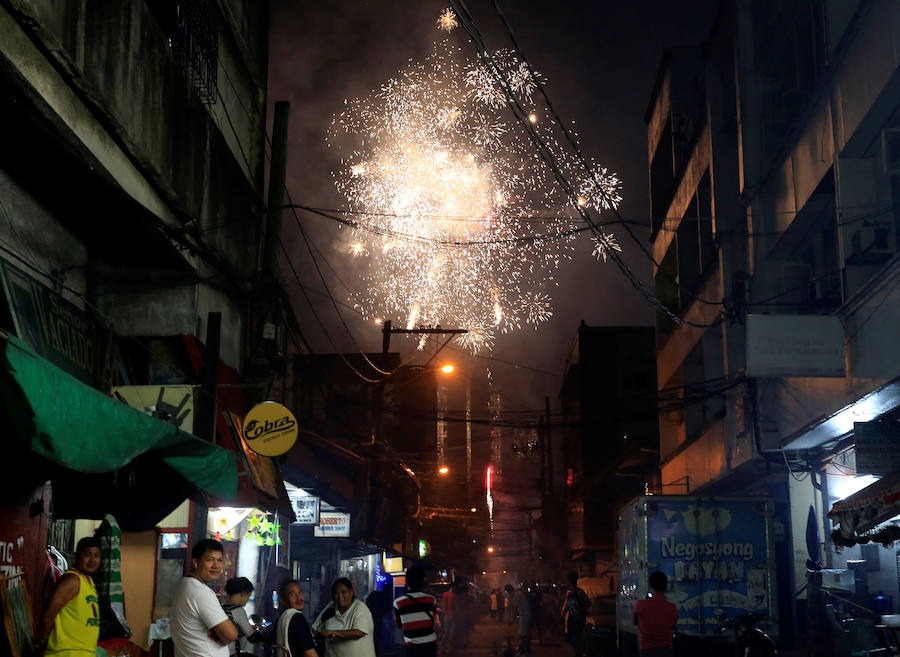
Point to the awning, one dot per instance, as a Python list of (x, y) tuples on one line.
[(868, 507), (81, 429)]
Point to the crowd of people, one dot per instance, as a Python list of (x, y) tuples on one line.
[(202, 626)]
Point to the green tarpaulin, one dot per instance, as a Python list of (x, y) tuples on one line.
[(80, 428)]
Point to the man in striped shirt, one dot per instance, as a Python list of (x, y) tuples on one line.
[(414, 613)]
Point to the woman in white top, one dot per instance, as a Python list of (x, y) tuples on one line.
[(346, 623)]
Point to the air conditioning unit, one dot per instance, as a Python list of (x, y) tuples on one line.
[(890, 150), (871, 244)]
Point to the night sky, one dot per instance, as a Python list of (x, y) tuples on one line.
[(600, 59)]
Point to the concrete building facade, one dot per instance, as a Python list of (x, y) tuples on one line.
[(775, 197)]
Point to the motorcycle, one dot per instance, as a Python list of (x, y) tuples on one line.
[(747, 639)]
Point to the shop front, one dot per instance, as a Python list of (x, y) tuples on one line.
[(74, 452)]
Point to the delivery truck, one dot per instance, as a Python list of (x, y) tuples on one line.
[(716, 551)]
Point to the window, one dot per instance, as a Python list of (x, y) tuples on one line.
[(662, 177), (190, 29)]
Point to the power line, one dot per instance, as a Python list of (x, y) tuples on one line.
[(546, 154)]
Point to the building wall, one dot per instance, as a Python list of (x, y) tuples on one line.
[(139, 581), (798, 175), (105, 78)]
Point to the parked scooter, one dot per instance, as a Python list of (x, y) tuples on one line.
[(748, 640)]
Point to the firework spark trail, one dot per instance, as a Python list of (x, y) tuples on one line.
[(445, 181)]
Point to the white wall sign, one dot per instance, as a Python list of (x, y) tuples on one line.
[(795, 346), (306, 508), (332, 523)]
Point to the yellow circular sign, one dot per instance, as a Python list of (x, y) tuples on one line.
[(270, 429)]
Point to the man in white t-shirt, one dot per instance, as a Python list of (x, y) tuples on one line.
[(199, 625)]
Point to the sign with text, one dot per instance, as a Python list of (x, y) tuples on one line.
[(56, 329), (795, 346), (270, 429), (877, 447), (306, 509), (331, 524)]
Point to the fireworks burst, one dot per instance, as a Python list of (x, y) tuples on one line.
[(447, 186), (603, 244), (447, 20)]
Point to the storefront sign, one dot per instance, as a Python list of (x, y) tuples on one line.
[(332, 524), (306, 509), (877, 447), (270, 429), (56, 329), (392, 564), (795, 345)]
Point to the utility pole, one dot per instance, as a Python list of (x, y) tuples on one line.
[(387, 330), (547, 431)]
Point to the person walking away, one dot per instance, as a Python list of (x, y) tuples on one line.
[(239, 590), (509, 614), (534, 599), (381, 607), (414, 614), (463, 614), (655, 619), (346, 623), (574, 612), (522, 606), (494, 605), (70, 625), (199, 625), (293, 636), (447, 619), (501, 606)]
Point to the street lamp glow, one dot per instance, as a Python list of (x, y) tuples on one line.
[(490, 548), (443, 470), (473, 509), (447, 369)]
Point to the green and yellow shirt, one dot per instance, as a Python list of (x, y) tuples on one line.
[(77, 625)]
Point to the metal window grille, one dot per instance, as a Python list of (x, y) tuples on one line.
[(195, 43), (61, 535)]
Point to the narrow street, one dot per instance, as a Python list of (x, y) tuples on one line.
[(490, 638)]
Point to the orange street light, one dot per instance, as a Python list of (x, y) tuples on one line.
[(444, 470), (448, 369), (490, 548)]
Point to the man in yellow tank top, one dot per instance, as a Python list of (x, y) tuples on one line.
[(71, 622)]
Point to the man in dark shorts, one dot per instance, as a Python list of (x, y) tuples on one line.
[(655, 619)]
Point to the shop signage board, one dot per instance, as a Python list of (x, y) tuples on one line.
[(263, 472), (56, 329), (795, 346), (331, 524), (270, 429), (306, 509), (877, 447)]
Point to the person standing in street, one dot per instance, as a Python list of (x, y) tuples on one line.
[(655, 619), (494, 604), (238, 590), (346, 623), (574, 611), (522, 606), (293, 636), (414, 613), (200, 627), (70, 625), (448, 620)]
